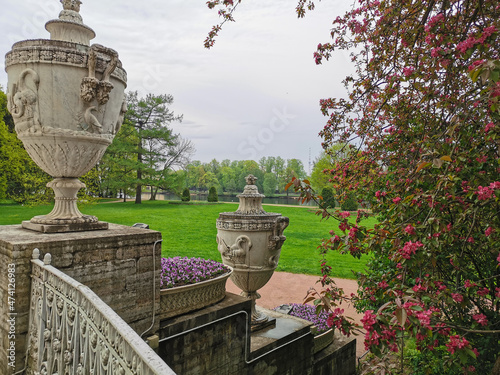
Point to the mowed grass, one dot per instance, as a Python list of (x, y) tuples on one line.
[(189, 230)]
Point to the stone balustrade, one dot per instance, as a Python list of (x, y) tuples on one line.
[(72, 331)]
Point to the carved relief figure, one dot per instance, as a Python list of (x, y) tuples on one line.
[(22, 103), (236, 252)]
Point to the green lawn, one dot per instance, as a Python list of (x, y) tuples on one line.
[(189, 230)]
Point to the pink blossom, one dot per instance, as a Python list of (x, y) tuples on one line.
[(474, 65), (345, 214), (469, 284), (482, 159), (484, 193), (383, 284), (435, 51), (407, 71), (377, 194), (410, 229), (488, 231), (456, 342), (488, 127), (409, 249), (368, 320), (481, 319), (397, 200), (483, 292), (495, 185), (457, 297)]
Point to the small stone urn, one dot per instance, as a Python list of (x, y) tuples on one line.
[(67, 101), (250, 241)]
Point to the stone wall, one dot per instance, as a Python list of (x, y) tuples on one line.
[(117, 264), (217, 340)]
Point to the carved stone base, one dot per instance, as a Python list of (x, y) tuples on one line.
[(63, 228), (65, 216)]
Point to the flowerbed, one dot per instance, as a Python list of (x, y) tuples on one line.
[(180, 271), (308, 312)]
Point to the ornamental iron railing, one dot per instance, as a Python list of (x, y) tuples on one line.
[(72, 331)]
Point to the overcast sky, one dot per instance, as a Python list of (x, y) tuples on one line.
[(255, 93)]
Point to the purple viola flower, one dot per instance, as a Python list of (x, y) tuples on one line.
[(178, 271), (308, 312)]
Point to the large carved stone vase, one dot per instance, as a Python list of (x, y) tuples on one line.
[(250, 241), (67, 101)]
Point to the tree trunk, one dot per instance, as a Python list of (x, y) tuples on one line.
[(154, 190), (138, 190)]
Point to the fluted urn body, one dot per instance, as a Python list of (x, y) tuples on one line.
[(250, 241), (67, 101)]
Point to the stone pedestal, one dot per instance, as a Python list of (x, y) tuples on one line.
[(117, 264)]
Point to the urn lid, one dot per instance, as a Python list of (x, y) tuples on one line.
[(69, 27)]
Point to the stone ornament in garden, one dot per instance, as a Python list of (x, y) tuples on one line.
[(250, 241), (67, 100)]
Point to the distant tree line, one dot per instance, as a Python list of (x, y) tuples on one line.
[(145, 154)]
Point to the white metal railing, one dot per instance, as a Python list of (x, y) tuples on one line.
[(72, 331)]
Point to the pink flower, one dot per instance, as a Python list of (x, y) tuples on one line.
[(483, 291), (488, 231), (481, 319), (377, 194), (435, 51), (484, 193), (408, 71), (397, 200), (488, 127), (383, 284), (456, 342), (482, 159), (409, 249), (410, 229), (368, 320), (457, 297), (469, 284), (345, 214)]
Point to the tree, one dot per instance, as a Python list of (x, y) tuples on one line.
[(20, 178), (326, 161), (186, 195), (212, 194), (423, 109), (270, 184), (328, 200), (158, 148)]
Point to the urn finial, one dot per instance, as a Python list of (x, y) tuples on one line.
[(71, 5), (251, 199), (69, 27), (250, 179)]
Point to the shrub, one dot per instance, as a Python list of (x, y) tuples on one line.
[(212, 195), (186, 195), (349, 204), (328, 198)]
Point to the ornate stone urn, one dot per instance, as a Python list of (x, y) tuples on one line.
[(250, 241), (67, 101)]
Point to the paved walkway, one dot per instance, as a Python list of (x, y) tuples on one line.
[(284, 288)]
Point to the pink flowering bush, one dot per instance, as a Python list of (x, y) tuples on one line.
[(421, 125)]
